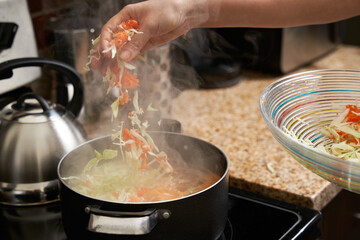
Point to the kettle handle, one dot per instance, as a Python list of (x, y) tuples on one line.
[(75, 104)]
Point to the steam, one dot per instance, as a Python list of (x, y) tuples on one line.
[(169, 69), (197, 52)]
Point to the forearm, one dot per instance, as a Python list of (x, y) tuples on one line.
[(274, 13), (164, 20)]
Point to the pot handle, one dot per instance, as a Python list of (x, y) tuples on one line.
[(124, 223), (75, 104)]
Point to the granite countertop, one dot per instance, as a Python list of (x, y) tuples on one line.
[(230, 118)]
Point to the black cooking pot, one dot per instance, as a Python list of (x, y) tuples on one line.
[(199, 216)]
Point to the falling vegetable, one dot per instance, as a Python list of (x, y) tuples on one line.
[(116, 73), (137, 170), (139, 144), (113, 70)]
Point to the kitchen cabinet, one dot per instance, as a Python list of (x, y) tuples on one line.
[(341, 217)]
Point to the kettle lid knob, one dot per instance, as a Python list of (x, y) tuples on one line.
[(35, 110)]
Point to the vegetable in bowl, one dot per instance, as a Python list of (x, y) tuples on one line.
[(313, 116), (344, 131)]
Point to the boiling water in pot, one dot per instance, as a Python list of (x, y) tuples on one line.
[(123, 180)]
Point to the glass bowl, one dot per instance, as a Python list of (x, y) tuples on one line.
[(296, 106)]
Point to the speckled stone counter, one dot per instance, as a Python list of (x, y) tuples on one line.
[(230, 118)]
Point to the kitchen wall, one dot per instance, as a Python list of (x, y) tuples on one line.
[(49, 14)]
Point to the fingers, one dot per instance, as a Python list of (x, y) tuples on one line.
[(156, 29), (131, 49), (110, 27)]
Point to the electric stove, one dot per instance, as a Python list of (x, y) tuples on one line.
[(250, 216)]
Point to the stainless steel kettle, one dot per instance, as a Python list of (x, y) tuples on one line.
[(34, 136)]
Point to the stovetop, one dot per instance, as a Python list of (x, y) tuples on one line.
[(256, 217), (249, 217)]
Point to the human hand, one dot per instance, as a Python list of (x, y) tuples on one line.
[(160, 22)]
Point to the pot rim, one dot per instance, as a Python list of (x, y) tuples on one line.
[(224, 175)]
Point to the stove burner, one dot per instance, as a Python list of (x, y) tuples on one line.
[(249, 217), (41, 222), (228, 232)]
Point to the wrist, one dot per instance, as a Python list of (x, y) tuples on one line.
[(196, 12)]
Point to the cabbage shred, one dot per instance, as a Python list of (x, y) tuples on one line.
[(138, 161), (344, 133)]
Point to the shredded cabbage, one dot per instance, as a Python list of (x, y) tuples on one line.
[(344, 133), (136, 170)]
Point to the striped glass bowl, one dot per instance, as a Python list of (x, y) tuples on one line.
[(296, 106)]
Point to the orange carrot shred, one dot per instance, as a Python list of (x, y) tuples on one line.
[(125, 99), (129, 80), (144, 165), (121, 38), (116, 194), (352, 116), (141, 191), (130, 24)]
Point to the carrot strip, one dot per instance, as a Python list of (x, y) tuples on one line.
[(129, 80), (121, 38), (352, 116), (130, 24)]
